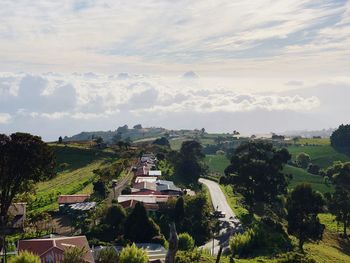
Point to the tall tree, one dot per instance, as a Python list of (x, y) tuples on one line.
[(24, 159), (303, 160), (256, 170), (139, 227), (339, 201), (341, 137), (190, 163), (303, 206)]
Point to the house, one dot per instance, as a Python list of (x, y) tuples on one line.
[(17, 215), (141, 179), (142, 171), (72, 199), (155, 173), (51, 250), (169, 189), (143, 186), (130, 204), (148, 198)]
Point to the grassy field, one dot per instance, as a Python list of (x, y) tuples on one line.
[(322, 155), (302, 176), (76, 177), (217, 163)]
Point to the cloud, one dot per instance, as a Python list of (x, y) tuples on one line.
[(4, 118)]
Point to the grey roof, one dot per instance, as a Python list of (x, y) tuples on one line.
[(83, 206), (166, 187), (165, 182)]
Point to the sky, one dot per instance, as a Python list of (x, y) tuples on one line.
[(254, 66)]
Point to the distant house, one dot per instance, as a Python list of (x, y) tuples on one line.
[(17, 214), (51, 250), (169, 189)]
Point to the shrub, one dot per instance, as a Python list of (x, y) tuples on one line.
[(107, 255), (132, 254), (293, 257), (25, 257), (303, 160), (186, 242), (74, 255), (188, 256)]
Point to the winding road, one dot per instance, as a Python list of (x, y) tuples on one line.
[(227, 227)]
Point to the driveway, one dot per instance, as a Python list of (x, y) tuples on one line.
[(227, 228)]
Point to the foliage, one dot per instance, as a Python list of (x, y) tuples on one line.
[(303, 160), (195, 255), (36, 164), (190, 164), (139, 227), (303, 206), (341, 136), (162, 141), (132, 254), (256, 170), (107, 255), (25, 257), (186, 242), (167, 169), (313, 169), (179, 211), (74, 255), (294, 257), (100, 189)]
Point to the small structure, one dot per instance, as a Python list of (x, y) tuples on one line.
[(151, 198), (155, 173), (51, 250), (150, 179), (144, 186), (17, 214), (169, 189)]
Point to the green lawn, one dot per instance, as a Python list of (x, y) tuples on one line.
[(302, 176), (217, 163), (322, 155)]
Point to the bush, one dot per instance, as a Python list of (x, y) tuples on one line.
[(132, 254), (25, 257), (313, 169), (303, 160), (107, 255), (186, 242), (126, 190), (74, 255), (293, 257), (188, 256)]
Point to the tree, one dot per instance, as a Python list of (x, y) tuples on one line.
[(123, 129), (190, 163), (339, 201), (186, 242), (303, 160), (99, 140), (100, 189), (256, 171), (133, 254), (341, 137), (25, 257), (162, 141), (115, 217), (116, 138), (138, 126), (24, 159), (107, 255), (303, 206), (74, 255), (139, 227), (179, 211), (60, 140)]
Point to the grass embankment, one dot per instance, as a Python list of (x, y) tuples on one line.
[(217, 163), (76, 176)]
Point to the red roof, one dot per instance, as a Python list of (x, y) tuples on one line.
[(147, 192), (72, 199), (41, 246)]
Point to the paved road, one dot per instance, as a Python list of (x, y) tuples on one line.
[(220, 203)]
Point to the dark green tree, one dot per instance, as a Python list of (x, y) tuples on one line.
[(162, 141), (190, 165), (24, 160), (60, 140), (340, 138), (139, 227), (303, 206), (115, 217), (100, 189), (303, 160), (179, 211), (138, 126), (256, 171)]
